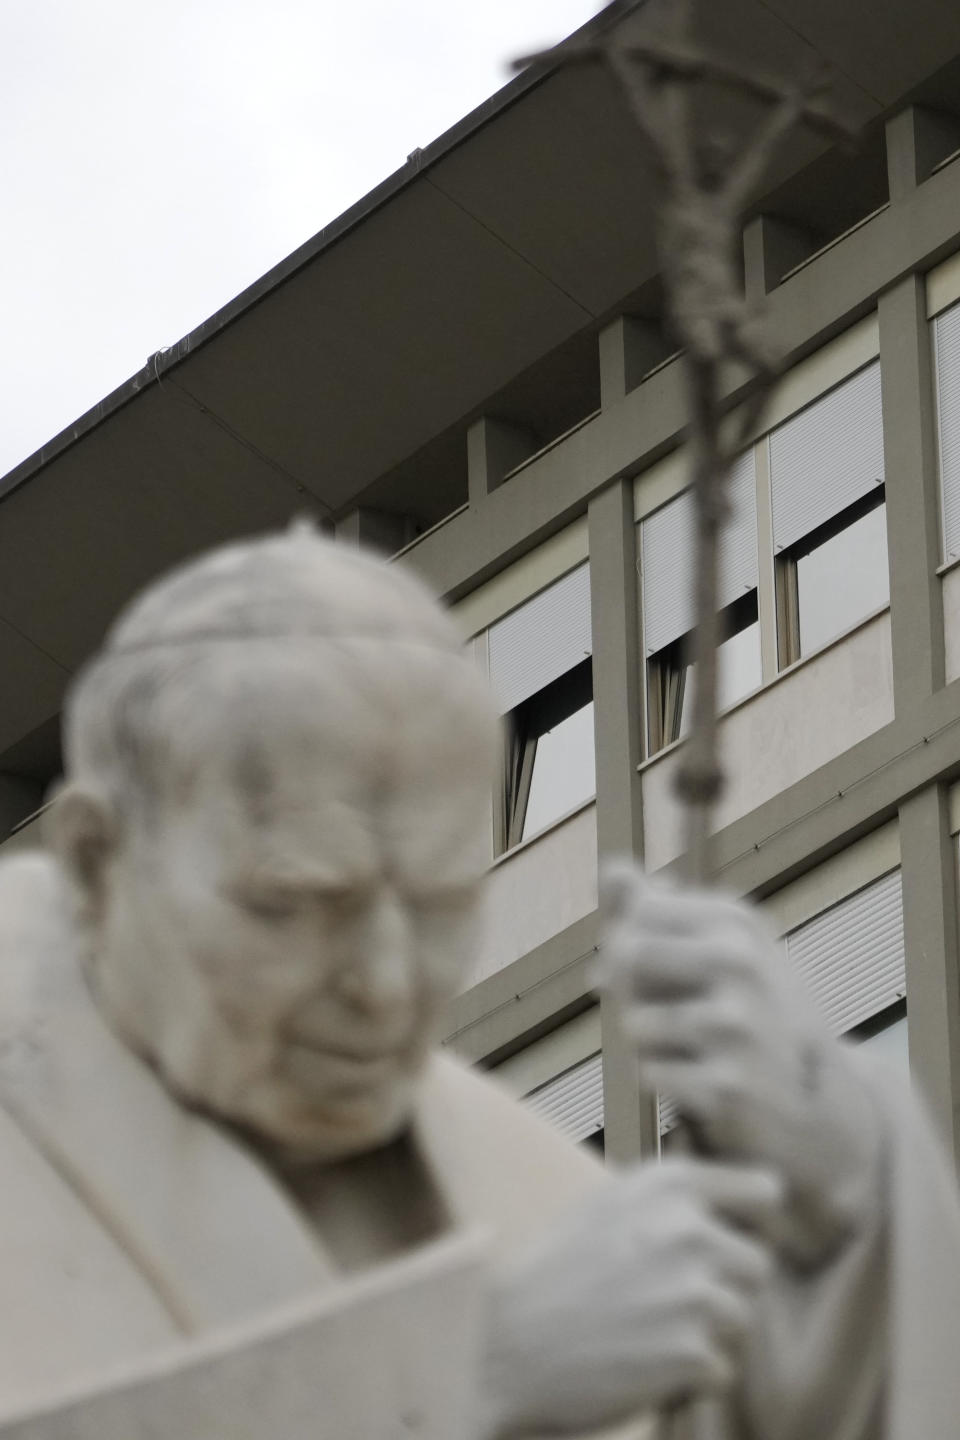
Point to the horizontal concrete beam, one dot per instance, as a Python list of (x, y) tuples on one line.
[(527, 998), (798, 829), (844, 799), (820, 300)]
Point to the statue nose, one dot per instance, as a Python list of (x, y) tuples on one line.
[(380, 974)]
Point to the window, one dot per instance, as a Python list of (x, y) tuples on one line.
[(541, 670), (851, 960), (832, 579), (550, 765), (829, 522), (885, 1035), (560, 1077), (667, 545), (946, 341), (852, 956), (670, 674), (573, 1102)]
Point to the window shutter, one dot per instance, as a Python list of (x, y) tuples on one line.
[(851, 956), (541, 640), (851, 960), (667, 548), (826, 457), (947, 345), (574, 1101)]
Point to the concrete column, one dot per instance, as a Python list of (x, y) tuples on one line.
[(376, 530), (917, 139), (629, 348), (771, 247), (913, 525), (630, 1120), (494, 448), (928, 867)]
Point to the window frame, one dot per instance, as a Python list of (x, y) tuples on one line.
[(786, 584), (666, 672), (522, 730)]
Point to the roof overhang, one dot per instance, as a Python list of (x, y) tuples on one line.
[(522, 227)]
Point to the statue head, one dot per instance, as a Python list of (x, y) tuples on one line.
[(277, 773)]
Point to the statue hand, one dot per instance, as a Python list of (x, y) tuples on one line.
[(723, 1027), (641, 1299)]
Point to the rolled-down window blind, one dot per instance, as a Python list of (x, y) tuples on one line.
[(573, 1102), (667, 549), (542, 639), (851, 957), (825, 458), (946, 331)]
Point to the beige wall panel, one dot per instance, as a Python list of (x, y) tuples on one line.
[(943, 285), (784, 732), (538, 890), (822, 370), (518, 582), (827, 884), (660, 482), (551, 1055), (951, 623)]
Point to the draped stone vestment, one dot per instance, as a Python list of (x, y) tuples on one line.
[(126, 1220)]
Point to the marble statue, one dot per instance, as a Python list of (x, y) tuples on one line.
[(221, 990)]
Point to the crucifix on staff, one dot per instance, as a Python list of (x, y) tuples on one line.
[(705, 185)]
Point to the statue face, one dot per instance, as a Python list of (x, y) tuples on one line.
[(282, 942)]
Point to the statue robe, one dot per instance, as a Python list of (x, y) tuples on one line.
[(127, 1221)]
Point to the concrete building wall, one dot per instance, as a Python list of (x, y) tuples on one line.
[(840, 763)]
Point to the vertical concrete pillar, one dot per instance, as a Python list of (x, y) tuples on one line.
[(928, 866), (913, 527), (629, 347), (630, 1119), (771, 247), (376, 529), (916, 140), (916, 619), (494, 448)]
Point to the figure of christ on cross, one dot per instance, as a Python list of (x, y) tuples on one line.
[(705, 184)]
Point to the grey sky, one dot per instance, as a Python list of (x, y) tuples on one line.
[(157, 158)]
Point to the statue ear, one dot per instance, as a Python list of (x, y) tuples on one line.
[(80, 828)]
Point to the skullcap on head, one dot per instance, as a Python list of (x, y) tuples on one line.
[(282, 586)]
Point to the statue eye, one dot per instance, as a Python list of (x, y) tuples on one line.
[(343, 901), (275, 902)]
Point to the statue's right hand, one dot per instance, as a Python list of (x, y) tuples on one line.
[(641, 1299)]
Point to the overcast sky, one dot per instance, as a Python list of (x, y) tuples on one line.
[(157, 158)]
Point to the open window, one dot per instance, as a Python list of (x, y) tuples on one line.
[(829, 518), (946, 346), (550, 761), (885, 1034), (667, 548), (542, 673), (832, 578), (671, 676)]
